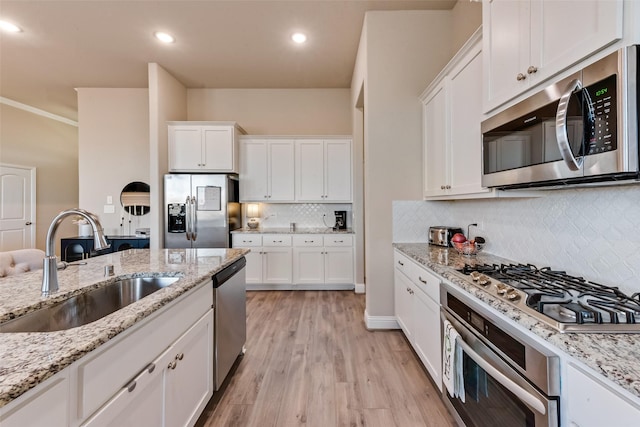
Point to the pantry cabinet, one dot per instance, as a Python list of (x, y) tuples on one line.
[(323, 170), (526, 42), (417, 311), (267, 170), (204, 146), (452, 140)]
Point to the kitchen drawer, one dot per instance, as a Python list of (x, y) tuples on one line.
[(338, 240), (246, 240), (307, 240), (276, 240), (401, 262), (426, 281)]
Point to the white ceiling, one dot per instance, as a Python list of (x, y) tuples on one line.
[(219, 44)]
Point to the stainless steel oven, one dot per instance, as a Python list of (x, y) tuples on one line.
[(509, 379)]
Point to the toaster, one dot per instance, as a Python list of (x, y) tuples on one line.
[(441, 235)]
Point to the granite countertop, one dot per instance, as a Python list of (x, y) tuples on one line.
[(298, 230), (26, 359), (615, 356)]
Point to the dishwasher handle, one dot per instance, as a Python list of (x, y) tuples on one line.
[(228, 272)]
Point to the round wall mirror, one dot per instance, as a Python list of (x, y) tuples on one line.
[(135, 198)]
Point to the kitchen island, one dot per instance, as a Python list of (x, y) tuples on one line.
[(612, 358), (28, 359)]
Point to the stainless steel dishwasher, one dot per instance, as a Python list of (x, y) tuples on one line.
[(230, 323)]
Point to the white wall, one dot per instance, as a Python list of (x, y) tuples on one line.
[(589, 232), (167, 102), (466, 18), (51, 146), (275, 111), (405, 50), (113, 151)]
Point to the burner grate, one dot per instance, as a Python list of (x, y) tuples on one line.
[(565, 298)]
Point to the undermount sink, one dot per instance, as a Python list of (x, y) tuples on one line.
[(87, 307)]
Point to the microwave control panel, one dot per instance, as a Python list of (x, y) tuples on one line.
[(603, 129)]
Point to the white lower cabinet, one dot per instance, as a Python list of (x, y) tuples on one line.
[(417, 310), (323, 260), (591, 403), (45, 405), (298, 261), (132, 380), (269, 261)]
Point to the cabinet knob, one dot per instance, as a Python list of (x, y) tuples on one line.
[(400, 262), (520, 77), (28, 223), (422, 280), (172, 364), (448, 187), (442, 187), (532, 69), (179, 356)]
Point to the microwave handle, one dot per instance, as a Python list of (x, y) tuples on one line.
[(522, 394), (561, 127)]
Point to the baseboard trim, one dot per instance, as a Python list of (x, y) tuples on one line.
[(380, 322), (299, 287), (360, 288)]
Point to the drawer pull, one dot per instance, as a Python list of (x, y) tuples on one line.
[(338, 241), (131, 386), (151, 367), (400, 262), (309, 241), (422, 280), (277, 241)]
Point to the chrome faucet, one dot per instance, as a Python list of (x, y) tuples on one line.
[(50, 271)]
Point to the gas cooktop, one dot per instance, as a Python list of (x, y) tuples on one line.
[(564, 302)]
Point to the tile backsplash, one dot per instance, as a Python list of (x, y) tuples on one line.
[(305, 215), (590, 232)]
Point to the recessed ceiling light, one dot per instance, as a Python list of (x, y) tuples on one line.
[(299, 38), (8, 26), (164, 37)]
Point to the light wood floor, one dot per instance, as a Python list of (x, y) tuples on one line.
[(310, 361)]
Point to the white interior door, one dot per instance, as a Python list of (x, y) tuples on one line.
[(17, 207)]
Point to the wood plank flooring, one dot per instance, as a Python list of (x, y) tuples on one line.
[(310, 361)]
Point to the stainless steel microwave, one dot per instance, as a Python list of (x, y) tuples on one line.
[(582, 130)]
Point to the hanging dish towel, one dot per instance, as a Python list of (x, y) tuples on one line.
[(452, 366)]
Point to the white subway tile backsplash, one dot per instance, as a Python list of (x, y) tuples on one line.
[(590, 232), (305, 215)]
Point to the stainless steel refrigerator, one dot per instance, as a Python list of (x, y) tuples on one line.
[(201, 210)]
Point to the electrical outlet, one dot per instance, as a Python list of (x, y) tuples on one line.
[(109, 209)]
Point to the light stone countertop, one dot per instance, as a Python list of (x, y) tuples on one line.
[(614, 356), (27, 359), (298, 230)]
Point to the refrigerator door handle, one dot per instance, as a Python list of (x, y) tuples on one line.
[(194, 219), (187, 205)]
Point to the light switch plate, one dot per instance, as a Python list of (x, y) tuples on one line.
[(109, 200), (109, 209)]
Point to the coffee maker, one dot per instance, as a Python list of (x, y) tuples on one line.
[(341, 220)]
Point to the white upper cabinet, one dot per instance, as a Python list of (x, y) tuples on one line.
[(452, 112), (527, 42), (267, 170), (323, 170), (203, 146)]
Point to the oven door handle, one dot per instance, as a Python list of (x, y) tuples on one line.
[(522, 394), (562, 137)]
